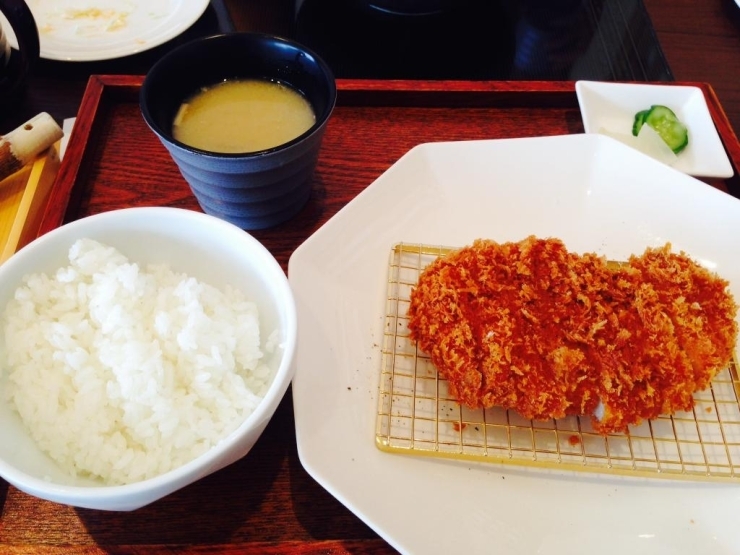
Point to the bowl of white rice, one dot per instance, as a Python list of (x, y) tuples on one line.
[(141, 350)]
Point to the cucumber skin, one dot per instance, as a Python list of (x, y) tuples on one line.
[(639, 121)]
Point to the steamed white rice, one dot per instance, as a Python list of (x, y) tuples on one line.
[(122, 372)]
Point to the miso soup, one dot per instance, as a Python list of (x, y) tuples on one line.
[(243, 116)]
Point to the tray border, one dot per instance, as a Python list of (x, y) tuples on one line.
[(103, 89)]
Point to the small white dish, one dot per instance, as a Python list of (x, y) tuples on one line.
[(75, 31), (611, 108), (595, 194)]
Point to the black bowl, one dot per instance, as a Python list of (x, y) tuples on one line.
[(253, 190)]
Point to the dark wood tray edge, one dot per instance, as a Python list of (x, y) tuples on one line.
[(103, 89), (79, 155)]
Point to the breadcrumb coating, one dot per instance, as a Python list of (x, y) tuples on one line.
[(533, 327)]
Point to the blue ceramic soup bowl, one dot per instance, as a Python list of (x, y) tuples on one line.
[(253, 190)]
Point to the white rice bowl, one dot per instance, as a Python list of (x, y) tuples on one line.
[(124, 380)]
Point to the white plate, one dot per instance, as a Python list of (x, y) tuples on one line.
[(589, 190), (88, 30), (612, 107)]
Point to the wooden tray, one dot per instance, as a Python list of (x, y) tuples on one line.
[(266, 502), (114, 160)]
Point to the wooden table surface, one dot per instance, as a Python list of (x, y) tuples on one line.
[(700, 40), (267, 503)]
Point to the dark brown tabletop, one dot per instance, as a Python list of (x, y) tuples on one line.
[(267, 503)]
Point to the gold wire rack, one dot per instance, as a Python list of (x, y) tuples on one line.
[(417, 415)]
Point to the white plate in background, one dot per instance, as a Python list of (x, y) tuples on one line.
[(612, 107), (596, 195), (90, 30)]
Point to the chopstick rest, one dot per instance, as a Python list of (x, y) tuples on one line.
[(23, 144)]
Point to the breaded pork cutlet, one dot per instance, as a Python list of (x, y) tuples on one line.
[(506, 325), (532, 327), (682, 331)]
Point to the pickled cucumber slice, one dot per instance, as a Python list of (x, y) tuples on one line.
[(665, 122)]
